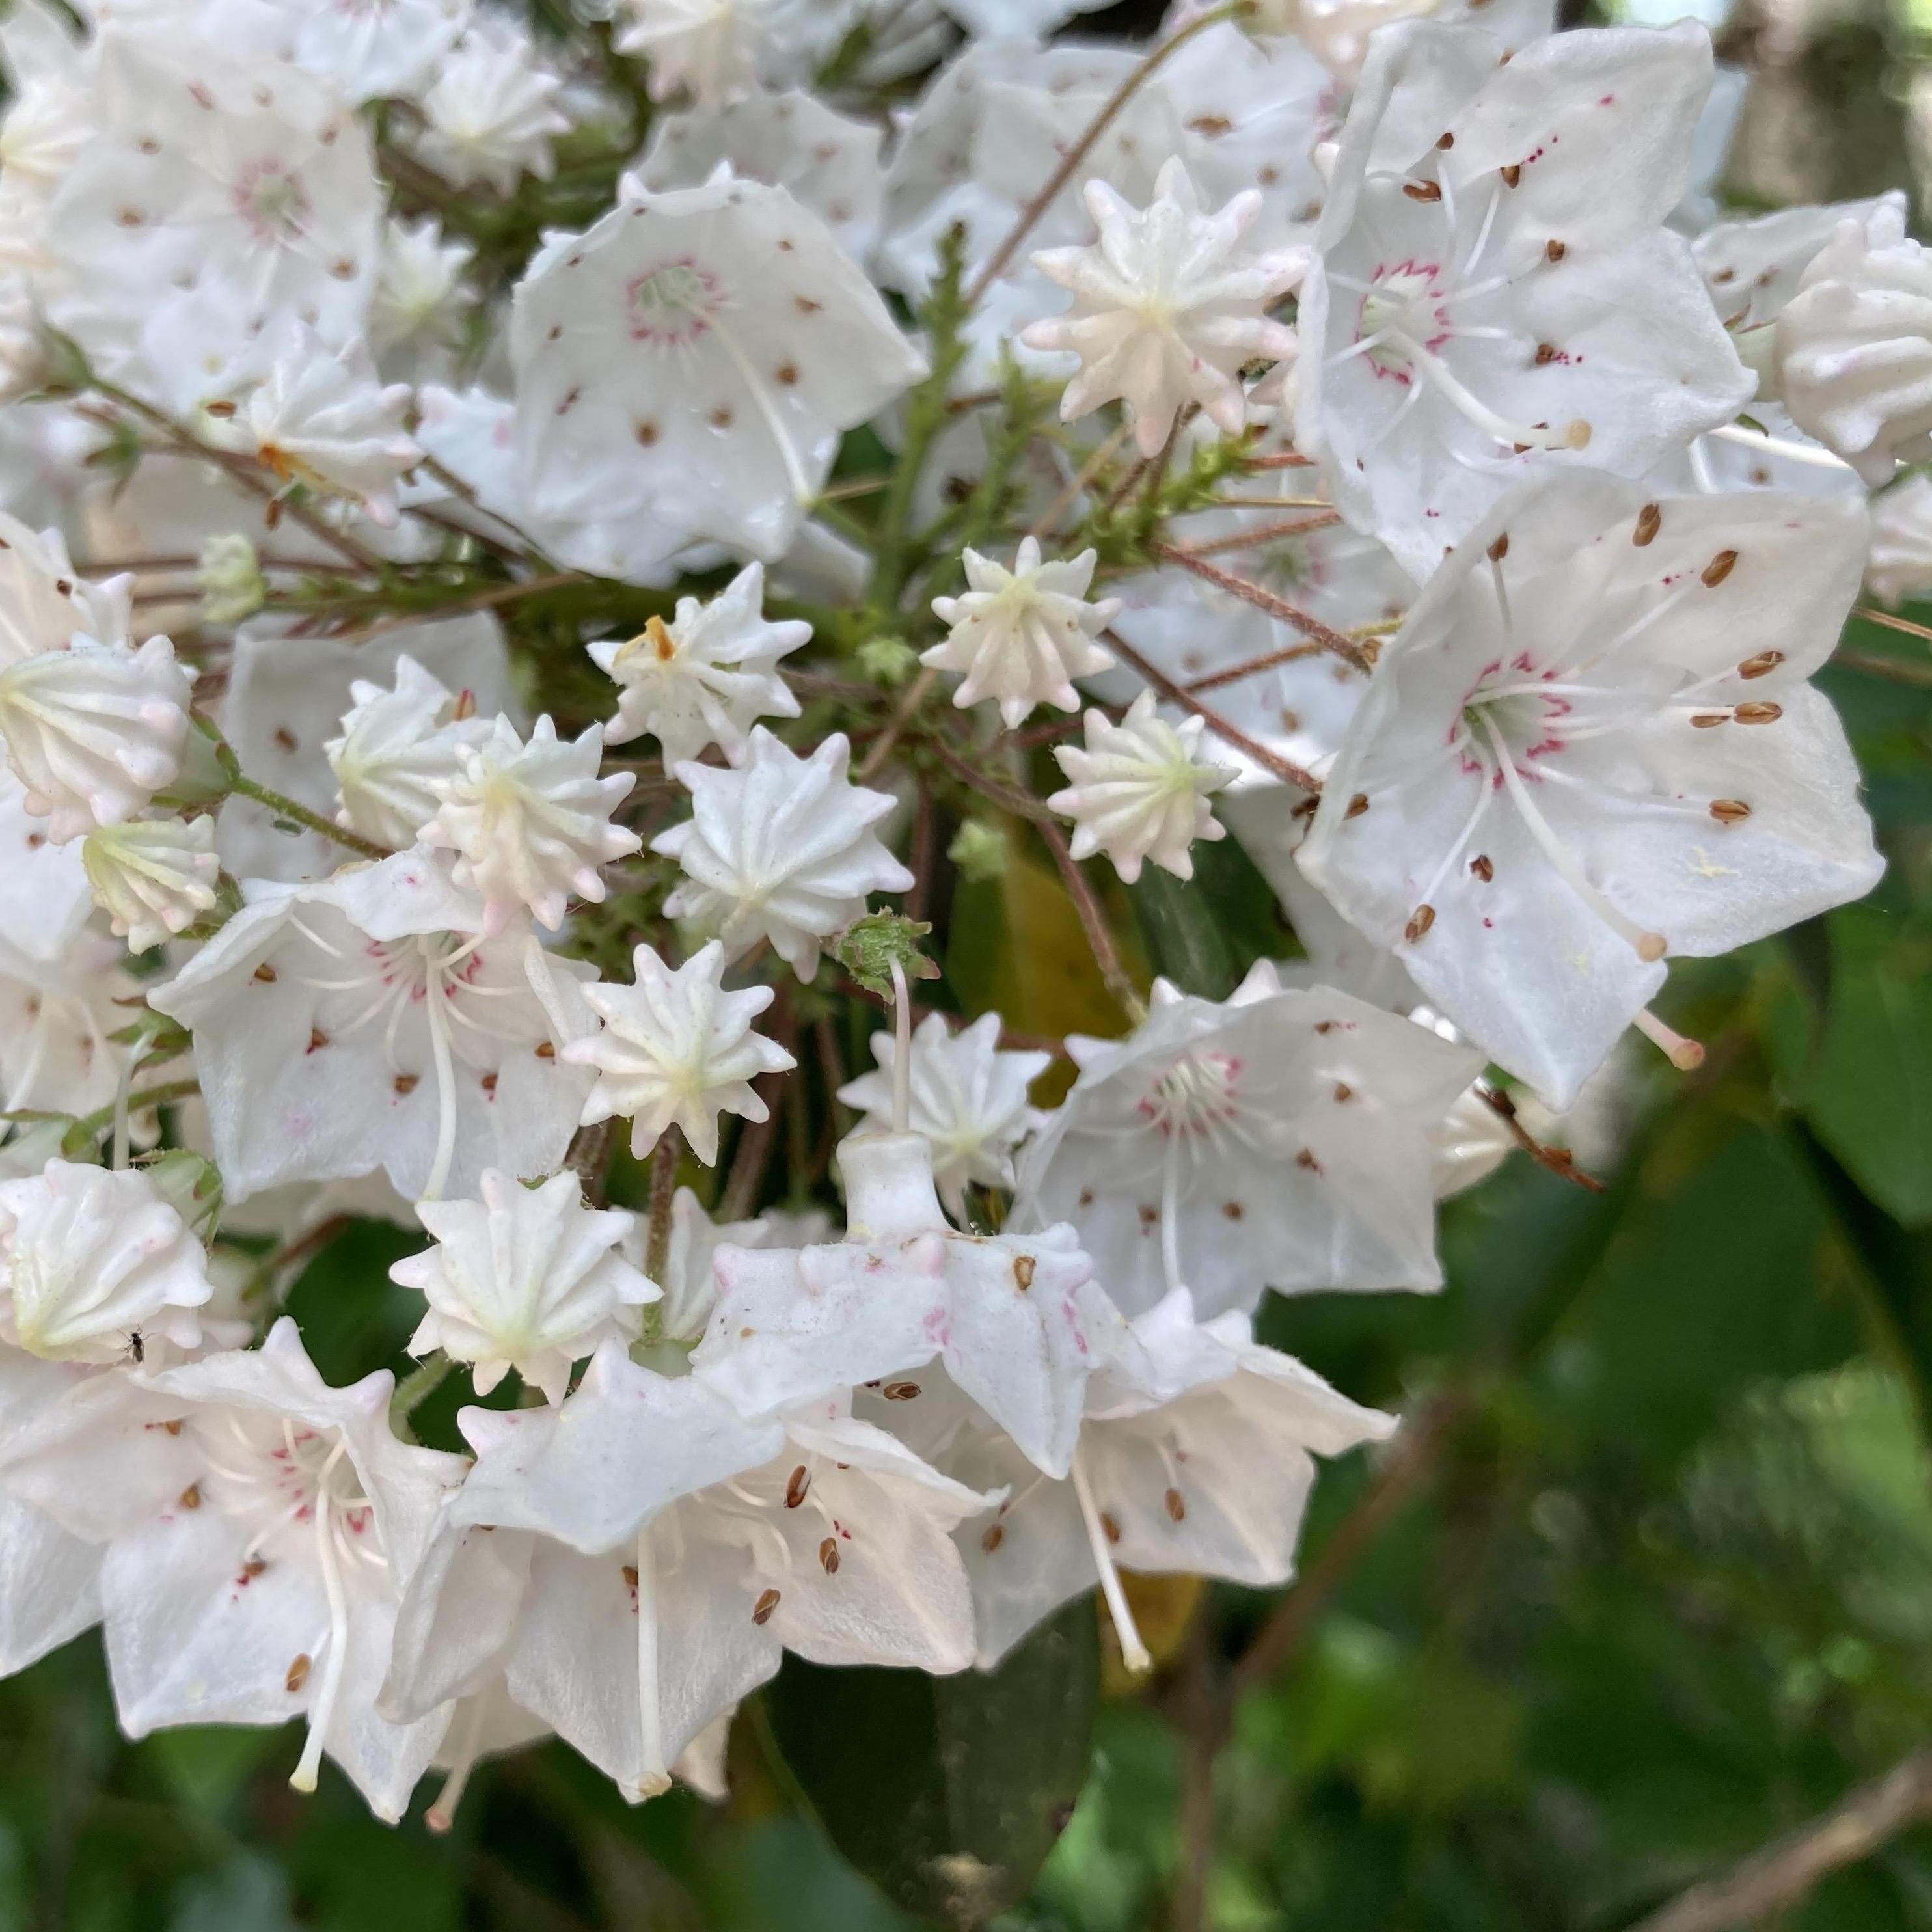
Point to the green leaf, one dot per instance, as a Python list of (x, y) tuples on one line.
[(1869, 1096), (947, 1793)]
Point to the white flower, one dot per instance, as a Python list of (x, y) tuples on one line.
[(633, 1563), (225, 196), (706, 676), (94, 730), (530, 822), (154, 877), (1854, 346), (1509, 301), (692, 360), (91, 1259), (780, 849), (1281, 1139), (1016, 1322), (828, 162), (371, 1021), (1168, 307), (968, 1096), (59, 1009), (321, 420), (493, 109), (45, 603), (526, 1278), (676, 1050), (49, 113), (1196, 1455), (229, 577), (1901, 563), (714, 50), (1140, 790), (396, 758), (1022, 636), (417, 298), (257, 1525), (1590, 743), (376, 49)]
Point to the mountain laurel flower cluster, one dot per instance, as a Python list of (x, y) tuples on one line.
[(579, 613)]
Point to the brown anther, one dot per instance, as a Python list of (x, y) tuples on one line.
[(900, 1391), (253, 1568), (657, 635), (1719, 568), (488, 1083), (465, 706), (1703, 721), (317, 1039), (787, 374), (1512, 174), (1758, 714), (828, 1556), (1305, 1160), (220, 411), (795, 1488), (1649, 520), (265, 973), (1445, 140), (1419, 921), (630, 1575), (1763, 665), (1343, 1091), (647, 433), (1500, 548), (723, 416), (1484, 867), (406, 1084), (545, 1050), (1423, 190), (297, 1673), (189, 1498), (1110, 1526), (1554, 250), (992, 1537), (768, 1601), (1233, 1211), (1547, 352), (1023, 1266), (1358, 805), (1176, 1506), (1730, 811), (174, 1427)]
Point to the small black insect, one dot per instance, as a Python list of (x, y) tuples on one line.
[(137, 1347)]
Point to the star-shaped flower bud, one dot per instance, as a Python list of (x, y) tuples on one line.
[(1140, 790), (676, 1050), (396, 758), (1015, 1322), (91, 1261), (257, 1525), (1854, 346), (527, 1278), (530, 822), (1022, 636), (715, 50), (492, 110), (323, 421), (1901, 564), (1168, 307), (691, 361), (417, 300), (707, 676), (154, 877), (780, 849), (1592, 742), (374, 1020), (1494, 284), (93, 730), (1196, 1456), (1281, 1138), (969, 1100), (634, 1562)]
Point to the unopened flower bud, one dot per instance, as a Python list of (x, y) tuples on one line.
[(229, 579), (153, 877), (980, 851)]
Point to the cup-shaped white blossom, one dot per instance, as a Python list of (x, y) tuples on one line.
[(95, 1265), (967, 1096), (525, 1278), (1021, 636), (1854, 346), (491, 113), (707, 676), (691, 361), (781, 849), (1140, 790), (395, 760), (677, 1050), (1593, 743), (1901, 563), (530, 822), (94, 730), (1495, 292), (154, 877), (1168, 307)]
